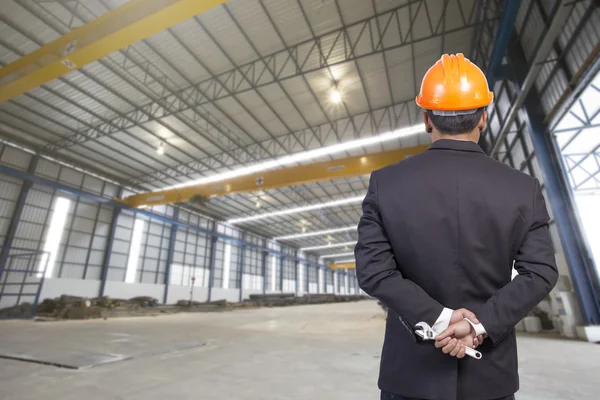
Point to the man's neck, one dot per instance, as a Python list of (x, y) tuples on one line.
[(464, 137)]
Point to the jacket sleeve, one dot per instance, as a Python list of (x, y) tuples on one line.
[(538, 274), (378, 274)]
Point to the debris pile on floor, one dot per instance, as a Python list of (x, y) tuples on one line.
[(74, 307), (23, 310)]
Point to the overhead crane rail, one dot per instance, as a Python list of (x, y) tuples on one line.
[(119, 28), (316, 172)]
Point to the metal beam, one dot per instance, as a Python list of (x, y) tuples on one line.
[(109, 244), (110, 202), (108, 33), (324, 51), (507, 24), (334, 169), (263, 266), (242, 260), (384, 119), (561, 12), (211, 265), (343, 266), (170, 249), (296, 277), (281, 274)]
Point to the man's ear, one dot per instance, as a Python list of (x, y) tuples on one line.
[(482, 121), (427, 121)]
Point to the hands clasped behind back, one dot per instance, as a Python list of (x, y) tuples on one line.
[(459, 335)]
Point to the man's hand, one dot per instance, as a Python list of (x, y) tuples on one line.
[(456, 338), (461, 314)]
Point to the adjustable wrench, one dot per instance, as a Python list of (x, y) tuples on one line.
[(427, 333)]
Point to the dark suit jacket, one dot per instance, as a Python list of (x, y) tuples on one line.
[(442, 229)]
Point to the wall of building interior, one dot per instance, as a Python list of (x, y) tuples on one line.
[(135, 262), (574, 49)]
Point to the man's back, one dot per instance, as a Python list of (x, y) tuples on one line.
[(455, 220)]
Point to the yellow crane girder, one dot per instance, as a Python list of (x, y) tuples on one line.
[(343, 266), (125, 25), (321, 171)]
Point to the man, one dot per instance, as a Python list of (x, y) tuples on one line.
[(440, 232)]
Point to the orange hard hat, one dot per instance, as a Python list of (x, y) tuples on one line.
[(454, 84)]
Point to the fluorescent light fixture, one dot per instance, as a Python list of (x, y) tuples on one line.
[(226, 265), (311, 207), (327, 246), (349, 261), (337, 255), (304, 156), (161, 148), (316, 233), (53, 236), (134, 251)]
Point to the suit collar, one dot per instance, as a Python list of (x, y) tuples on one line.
[(457, 145)]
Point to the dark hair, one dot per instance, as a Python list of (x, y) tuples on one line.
[(455, 125)]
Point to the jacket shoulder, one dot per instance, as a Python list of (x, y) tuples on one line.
[(495, 168), (509, 172), (401, 165)]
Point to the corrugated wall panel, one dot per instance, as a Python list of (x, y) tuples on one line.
[(81, 252), (9, 194), (15, 158)]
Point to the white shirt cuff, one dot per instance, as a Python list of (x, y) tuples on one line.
[(443, 321), (479, 329)]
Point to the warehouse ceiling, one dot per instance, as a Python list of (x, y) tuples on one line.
[(245, 82)]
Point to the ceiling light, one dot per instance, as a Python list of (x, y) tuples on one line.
[(161, 148), (304, 156), (352, 261), (258, 204), (337, 255), (327, 246), (311, 207), (316, 233), (336, 96), (303, 229)]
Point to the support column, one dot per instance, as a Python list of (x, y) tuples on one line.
[(211, 264), (170, 250), (265, 256), (296, 277), (281, 274), (16, 217), (581, 265), (241, 269), (109, 244), (307, 274)]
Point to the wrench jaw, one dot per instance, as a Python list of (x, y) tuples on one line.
[(425, 331)]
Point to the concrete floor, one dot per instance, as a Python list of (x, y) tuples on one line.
[(308, 352)]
